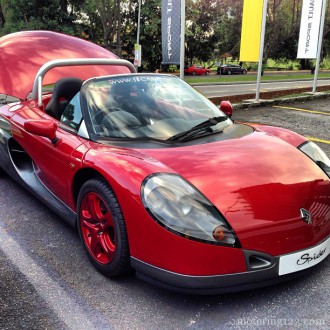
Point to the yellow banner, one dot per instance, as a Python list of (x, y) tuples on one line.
[(251, 30)]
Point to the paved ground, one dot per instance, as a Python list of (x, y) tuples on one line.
[(21, 306), (310, 118)]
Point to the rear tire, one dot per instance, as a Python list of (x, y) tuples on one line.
[(102, 228)]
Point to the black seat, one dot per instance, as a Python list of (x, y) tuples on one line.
[(64, 90)]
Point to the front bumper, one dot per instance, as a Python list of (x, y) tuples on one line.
[(262, 270)]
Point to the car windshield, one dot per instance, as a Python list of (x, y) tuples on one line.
[(145, 106)]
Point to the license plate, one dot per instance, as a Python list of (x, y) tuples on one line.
[(294, 262)]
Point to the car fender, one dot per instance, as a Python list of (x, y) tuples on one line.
[(125, 171), (286, 135)]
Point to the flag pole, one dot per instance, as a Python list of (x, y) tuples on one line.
[(316, 72), (138, 24), (136, 48), (182, 40), (261, 50)]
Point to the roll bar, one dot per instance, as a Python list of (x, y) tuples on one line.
[(37, 85)]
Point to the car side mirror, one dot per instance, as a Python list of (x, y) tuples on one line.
[(42, 127), (227, 108)]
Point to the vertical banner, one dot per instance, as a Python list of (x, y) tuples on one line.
[(171, 28), (309, 29), (251, 30)]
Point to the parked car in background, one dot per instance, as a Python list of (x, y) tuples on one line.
[(231, 69), (196, 70)]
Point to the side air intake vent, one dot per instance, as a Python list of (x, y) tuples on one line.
[(257, 260)]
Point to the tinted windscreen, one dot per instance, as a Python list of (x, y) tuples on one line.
[(144, 106)]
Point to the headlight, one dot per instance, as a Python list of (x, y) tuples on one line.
[(317, 155), (180, 208)]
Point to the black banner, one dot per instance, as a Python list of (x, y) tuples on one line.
[(171, 28)]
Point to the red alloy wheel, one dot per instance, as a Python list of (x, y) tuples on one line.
[(98, 228)]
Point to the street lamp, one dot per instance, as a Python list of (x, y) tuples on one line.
[(138, 26), (182, 41), (137, 48)]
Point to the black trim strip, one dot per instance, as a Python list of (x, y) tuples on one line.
[(217, 284)]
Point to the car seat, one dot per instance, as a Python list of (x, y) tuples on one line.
[(64, 90)]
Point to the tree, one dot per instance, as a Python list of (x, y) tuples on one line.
[(201, 17), (326, 34), (150, 32), (228, 27), (31, 15), (283, 19), (213, 27), (108, 13)]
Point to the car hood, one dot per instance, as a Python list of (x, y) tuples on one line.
[(23, 53), (259, 183)]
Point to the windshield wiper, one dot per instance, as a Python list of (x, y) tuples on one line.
[(202, 127)]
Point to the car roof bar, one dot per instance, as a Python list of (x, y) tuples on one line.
[(37, 85)]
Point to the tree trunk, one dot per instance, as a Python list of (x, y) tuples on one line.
[(64, 5), (118, 28), (106, 15), (2, 18)]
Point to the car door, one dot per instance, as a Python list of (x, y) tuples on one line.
[(51, 161), (199, 70)]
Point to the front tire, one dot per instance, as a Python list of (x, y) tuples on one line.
[(102, 228)]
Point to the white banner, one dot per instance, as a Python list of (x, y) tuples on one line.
[(309, 29), (137, 55)]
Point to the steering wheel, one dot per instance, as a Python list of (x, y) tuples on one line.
[(119, 120), (99, 116)]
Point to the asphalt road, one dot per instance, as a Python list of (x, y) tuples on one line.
[(309, 118), (229, 89), (47, 282)]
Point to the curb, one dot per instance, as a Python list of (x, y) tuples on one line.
[(273, 97), (308, 96), (251, 82)]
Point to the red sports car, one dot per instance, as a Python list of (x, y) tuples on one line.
[(196, 70), (156, 178)]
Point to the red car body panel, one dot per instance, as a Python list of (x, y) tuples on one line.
[(52, 163), (128, 168), (249, 209), (248, 200), (286, 135)]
